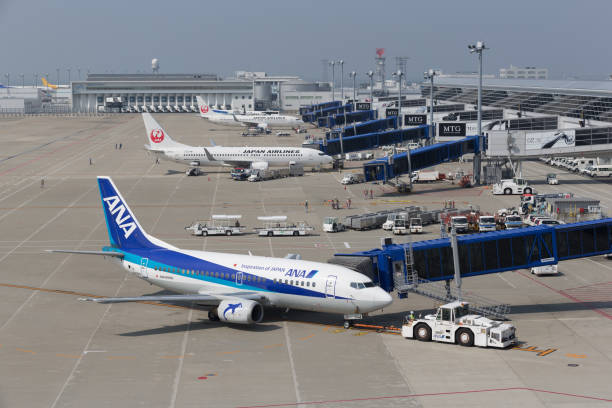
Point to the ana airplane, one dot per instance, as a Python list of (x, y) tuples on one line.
[(260, 158), (235, 287), (250, 119)]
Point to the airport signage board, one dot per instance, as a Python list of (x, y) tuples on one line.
[(391, 112), (415, 120), (451, 129), (362, 105), (550, 139)]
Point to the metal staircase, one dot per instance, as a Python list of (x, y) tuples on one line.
[(408, 280)]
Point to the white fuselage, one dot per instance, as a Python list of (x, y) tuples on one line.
[(285, 283), (269, 120), (230, 156)]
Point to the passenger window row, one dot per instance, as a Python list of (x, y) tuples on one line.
[(295, 283)]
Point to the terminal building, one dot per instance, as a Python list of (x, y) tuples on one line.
[(177, 92)]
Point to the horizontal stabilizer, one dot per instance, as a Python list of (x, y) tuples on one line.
[(70, 251)]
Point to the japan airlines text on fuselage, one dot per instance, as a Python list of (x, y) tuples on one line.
[(236, 287), (162, 144)]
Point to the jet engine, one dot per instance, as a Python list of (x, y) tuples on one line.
[(241, 311), (259, 165)]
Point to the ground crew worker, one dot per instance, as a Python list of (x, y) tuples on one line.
[(306, 205), (411, 316)]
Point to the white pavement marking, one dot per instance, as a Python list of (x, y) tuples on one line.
[(346, 244), (179, 369), (78, 362), (57, 268), (296, 385), (599, 263), (212, 206), (505, 280)]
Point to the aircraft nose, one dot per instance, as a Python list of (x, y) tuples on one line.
[(382, 298)]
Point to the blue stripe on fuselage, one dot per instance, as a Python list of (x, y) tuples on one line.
[(164, 258)]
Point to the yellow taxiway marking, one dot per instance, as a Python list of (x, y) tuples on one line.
[(307, 337), (361, 333), (67, 355), (339, 330), (273, 345), (575, 355), (229, 352), (120, 357), (25, 351), (172, 356)]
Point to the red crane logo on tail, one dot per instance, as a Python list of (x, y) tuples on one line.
[(204, 108), (157, 135)]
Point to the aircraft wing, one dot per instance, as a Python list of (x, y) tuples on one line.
[(210, 299)]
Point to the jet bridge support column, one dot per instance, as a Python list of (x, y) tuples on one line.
[(477, 163), (455, 249)]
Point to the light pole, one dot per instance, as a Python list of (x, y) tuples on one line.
[(22, 80), (341, 62), (35, 80), (353, 74), (68, 75), (57, 70), (399, 75), (430, 74), (79, 72), (478, 48), (371, 75), (333, 63)]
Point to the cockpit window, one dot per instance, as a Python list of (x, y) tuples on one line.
[(361, 285)]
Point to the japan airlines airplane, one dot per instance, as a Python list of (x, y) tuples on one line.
[(261, 158), (250, 119), (235, 287)]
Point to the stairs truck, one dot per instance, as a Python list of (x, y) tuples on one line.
[(453, 323)]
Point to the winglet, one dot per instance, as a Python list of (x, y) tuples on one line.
[(212, 142), (209, 156)]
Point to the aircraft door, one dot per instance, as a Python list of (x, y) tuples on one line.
[(143, 268), (239, 278), (330, 286)]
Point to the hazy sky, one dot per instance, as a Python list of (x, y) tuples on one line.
[(291, 37)]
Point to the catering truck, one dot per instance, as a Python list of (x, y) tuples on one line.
[(453, 323)]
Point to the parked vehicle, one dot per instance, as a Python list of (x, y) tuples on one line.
[(486, 223), (353, 178), (601, 170), (218, 225), (333, 224), (453, 323), (460, 223), (513, 222), (426, 176), (512, 186), (277, 225), (551, 179), (416, 226), (239, 173)]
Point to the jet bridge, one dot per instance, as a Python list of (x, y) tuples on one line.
[(313, 116), (486, 253), (387, 168), (372, 140)]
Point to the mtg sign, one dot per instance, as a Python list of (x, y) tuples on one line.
[(451, 129), (391, 112), (415, 120), (362, 106)]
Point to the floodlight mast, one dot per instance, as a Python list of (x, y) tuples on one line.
[(430, 74), (478, 48)]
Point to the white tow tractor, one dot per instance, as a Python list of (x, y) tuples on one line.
[(453, 323), (220, 224), (512, 186), (416, 226), (277, 225), (333, 224)]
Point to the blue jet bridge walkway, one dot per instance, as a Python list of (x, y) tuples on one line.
[(490, 252), (387, 168)]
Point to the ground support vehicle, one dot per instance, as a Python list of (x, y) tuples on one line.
[(416, 226), (453, 323), (239, 173), (193, 171), (277, 225), (352, 178), (486, 223), (552, 179), (512, 186), (513, 222), (426, 176), (459, 222), (399, 226), (218, 225), (333, 224)]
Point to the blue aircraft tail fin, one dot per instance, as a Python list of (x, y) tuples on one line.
[(124, 231)]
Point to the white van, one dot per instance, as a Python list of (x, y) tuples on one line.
[(601, 170)]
